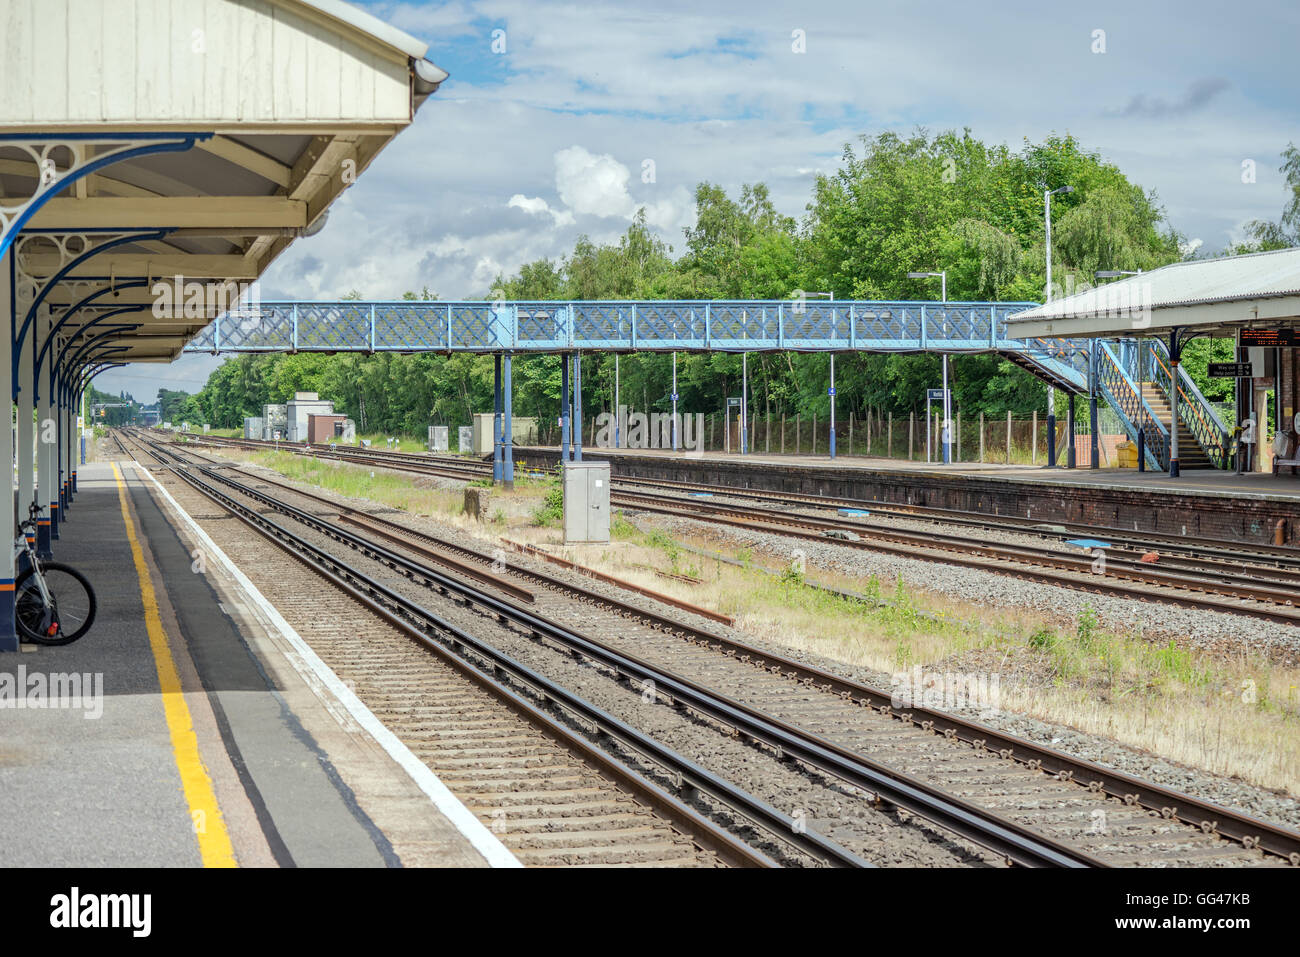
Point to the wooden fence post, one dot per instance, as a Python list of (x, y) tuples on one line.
[(911, 435), (981, 437), (783, 433)]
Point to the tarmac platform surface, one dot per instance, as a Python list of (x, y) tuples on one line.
[(200, 736)]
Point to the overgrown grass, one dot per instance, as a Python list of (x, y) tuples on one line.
[(396, 491), (1233, 714)]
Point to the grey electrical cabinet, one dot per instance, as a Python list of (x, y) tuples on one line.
[(586, 502)]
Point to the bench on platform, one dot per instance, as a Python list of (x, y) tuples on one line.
[(1286, 451)]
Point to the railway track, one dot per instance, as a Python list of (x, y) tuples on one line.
[(1058, 794), (1197, 574), (1006, 839), (550, 795)]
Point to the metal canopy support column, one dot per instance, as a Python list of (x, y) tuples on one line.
[(25, 383), (60, 452), (1051, 427), (1175, 356), (565, 404), (577, 407), (45, 469), (496, 419), (508, 429), (9, 524), (69, 441), (1094, 440)]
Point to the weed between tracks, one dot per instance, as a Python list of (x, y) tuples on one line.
[(387, 488), (1233, 712)]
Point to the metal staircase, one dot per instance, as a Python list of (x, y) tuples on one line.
[(1133, 377)]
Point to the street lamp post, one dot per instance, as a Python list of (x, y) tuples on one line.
[(942, 276), (1051, 392)]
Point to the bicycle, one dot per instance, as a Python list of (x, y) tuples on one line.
[(54, 604)]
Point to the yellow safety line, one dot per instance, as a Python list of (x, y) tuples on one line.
[(209, 826)]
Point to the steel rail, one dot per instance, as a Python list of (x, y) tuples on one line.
[(685, 775), (1130, 568), (1206, 816), (954, 556), (1016, 843)]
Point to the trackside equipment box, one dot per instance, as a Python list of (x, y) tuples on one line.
[(586, 502)]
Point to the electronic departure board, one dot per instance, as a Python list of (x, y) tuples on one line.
[(1270, 338)]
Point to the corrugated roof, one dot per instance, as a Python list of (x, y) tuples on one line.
[(1197, 282)]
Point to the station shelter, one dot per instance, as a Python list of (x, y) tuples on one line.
[(155, 159), (1253, 299)]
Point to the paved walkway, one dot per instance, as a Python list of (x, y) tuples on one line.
[(196, 739)]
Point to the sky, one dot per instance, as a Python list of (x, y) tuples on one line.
[(560, 119)]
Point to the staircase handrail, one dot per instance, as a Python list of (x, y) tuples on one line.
[(1193, 409), (1131, 406)]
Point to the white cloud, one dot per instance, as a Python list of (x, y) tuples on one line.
[(538, 206), (594, 185), (516, 155)]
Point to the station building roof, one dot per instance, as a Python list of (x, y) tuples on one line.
[(1259, 290), (274, 107)]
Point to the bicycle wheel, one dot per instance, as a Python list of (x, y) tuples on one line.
[(72, 610)]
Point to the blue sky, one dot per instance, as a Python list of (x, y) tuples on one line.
[(521, 151)]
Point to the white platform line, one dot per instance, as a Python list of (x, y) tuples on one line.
[(317, 671)]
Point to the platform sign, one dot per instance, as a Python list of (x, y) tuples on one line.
[(1232, 370), (673, 397), (1269, 338), (733, 402), (831, 391), (935, 395)]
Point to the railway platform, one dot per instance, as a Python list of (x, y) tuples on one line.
[(191, 726), (1210, 503)]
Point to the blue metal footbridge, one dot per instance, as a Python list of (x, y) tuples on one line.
[(1131, 377)]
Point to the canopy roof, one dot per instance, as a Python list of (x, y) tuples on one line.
[(189, 142), (1215, 295)]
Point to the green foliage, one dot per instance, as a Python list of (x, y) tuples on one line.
[(551, 510), (896, 204)]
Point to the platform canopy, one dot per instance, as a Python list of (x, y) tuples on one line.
[(1219, 296), (155, 154)]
